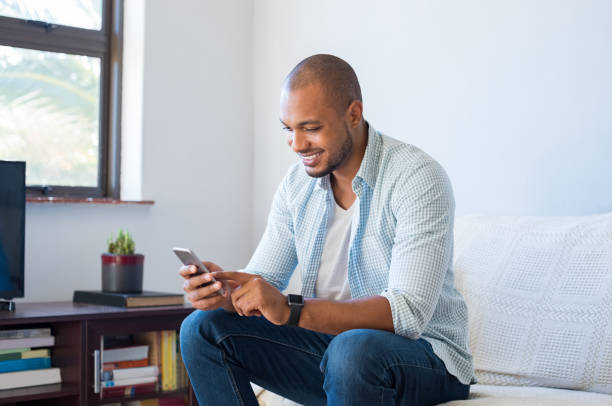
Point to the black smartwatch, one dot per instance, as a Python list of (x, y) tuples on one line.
[(296, 302)]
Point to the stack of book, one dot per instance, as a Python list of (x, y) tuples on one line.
[(126, 371), (165, 353), (148, 362), (23, 359), (141, 299)]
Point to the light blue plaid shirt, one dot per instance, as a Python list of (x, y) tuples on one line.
[(401, 243)]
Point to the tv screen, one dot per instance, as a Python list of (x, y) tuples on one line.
[(12, 228)]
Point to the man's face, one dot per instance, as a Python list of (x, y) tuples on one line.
[(315, 130)]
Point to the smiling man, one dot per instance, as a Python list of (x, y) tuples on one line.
[(369, 221)]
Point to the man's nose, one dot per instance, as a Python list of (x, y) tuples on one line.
[(299, 141)]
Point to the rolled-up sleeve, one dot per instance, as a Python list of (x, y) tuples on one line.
[(423, 205), (275, 258)]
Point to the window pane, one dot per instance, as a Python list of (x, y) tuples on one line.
[(49, 115), (76, 13)]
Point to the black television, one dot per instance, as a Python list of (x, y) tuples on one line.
[(12, 230)]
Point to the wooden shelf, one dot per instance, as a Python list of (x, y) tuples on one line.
[(86, 200), (151, 395), (78, 330), (55, 390), (69, 311)]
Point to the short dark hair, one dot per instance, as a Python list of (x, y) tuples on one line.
[(335, 75)]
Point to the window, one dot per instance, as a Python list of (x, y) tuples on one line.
[(60, 75)]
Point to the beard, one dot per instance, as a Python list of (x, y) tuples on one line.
[(336, 160)]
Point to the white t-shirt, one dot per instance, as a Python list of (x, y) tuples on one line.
[(332, 279)]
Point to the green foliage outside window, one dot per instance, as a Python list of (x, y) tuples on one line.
[(49, 111)]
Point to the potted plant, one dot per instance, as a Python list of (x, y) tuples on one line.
[(121, 268)]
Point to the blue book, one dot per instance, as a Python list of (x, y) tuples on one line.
[(25, 364)]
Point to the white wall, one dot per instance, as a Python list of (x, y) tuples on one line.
[(514, 98), (196, 159)]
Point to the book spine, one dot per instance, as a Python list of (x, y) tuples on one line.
[(42, 353), (181, 378), (33, 377), (12, 350), (98, 298), (173, 373), (11, 343), (25, 364), (131, 390), (164, 361), (109, 366), (129, 373), (168, 360), (24, 354), (25, 333), (126, 382), (10, 356), (157, 355), (132, 353)]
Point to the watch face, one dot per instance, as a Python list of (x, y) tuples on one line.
[(295, 299)]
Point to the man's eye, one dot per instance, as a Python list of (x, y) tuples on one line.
[(286, 129), (312, 129)]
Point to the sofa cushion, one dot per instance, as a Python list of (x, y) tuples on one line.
[(490, 395), (539, 297), (267, 398)]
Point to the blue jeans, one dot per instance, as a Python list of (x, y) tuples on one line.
[(223, 352)]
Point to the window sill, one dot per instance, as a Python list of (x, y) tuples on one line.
[(86, 200)]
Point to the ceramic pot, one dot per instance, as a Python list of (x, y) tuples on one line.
[(122, 273)]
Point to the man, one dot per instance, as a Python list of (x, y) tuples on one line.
[(369, 220)]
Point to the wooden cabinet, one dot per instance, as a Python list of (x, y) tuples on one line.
[(78, 330)]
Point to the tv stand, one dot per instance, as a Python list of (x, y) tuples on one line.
[(7, 305), (79, 330)]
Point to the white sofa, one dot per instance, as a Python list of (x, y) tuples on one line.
[(539, 297)]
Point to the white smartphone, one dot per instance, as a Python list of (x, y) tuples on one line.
[(188, 257)]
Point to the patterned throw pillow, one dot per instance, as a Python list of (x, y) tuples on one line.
[(539, 297)]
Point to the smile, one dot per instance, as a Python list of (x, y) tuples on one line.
[(311, 156), (309, 159)]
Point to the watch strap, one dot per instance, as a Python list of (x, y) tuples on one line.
[(296, 302)]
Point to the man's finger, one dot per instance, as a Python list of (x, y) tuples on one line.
[(212, 267), (208, 303), (240, 277), (238, 293), (233, 284), (187, 271), (237, 307), (204, 292), (243, 304), (196, 281)]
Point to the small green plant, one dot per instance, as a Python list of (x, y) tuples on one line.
[(123, 245)]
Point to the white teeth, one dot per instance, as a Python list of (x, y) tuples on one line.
[(311, 156)]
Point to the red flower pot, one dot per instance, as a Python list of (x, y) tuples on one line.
[(122, 273)]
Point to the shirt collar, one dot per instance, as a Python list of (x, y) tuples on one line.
[(368, 170)]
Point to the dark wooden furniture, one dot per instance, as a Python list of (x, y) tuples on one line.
[(78, 330)]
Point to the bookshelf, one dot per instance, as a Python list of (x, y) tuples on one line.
[(79, 330)]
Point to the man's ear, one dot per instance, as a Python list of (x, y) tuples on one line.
[(354, 113)]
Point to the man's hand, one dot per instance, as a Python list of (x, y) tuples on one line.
[(206, 297), (256, 297)]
